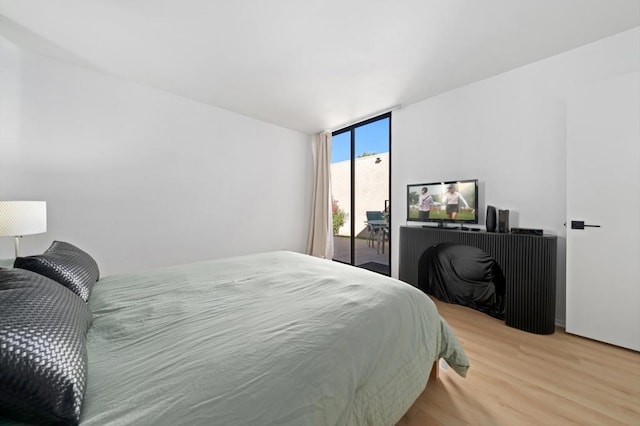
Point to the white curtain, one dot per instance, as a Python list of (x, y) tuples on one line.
[(320, 243)]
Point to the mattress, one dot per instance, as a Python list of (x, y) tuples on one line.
[(276, 338)]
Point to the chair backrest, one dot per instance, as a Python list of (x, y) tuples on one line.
[(373, 215)]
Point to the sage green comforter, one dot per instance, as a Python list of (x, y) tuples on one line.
[(277, 338)]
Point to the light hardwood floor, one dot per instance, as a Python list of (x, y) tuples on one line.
[(519, 378)]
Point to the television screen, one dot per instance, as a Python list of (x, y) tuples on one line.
[(454, 201)]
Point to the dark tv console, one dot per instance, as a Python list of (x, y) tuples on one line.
[(443, 225), (527, 261)]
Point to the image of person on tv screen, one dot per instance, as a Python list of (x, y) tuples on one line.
[(425, 202), (452, 199)]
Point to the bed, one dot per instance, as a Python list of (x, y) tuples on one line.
[(275, 338)]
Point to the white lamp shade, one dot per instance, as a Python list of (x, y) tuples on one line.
[(19, 218)]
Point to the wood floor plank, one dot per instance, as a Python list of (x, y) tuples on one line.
[(519, 378)]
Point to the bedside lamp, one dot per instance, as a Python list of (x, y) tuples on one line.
[(18, 218)]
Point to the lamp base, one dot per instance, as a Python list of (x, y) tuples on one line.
[(17, 245)]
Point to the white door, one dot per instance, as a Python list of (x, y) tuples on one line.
[(603, 188)]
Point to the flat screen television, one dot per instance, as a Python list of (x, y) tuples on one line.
[(442, 202)]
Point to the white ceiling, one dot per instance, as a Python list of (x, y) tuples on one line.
[(309, 65)]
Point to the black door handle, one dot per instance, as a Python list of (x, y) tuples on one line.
[(579, 224)]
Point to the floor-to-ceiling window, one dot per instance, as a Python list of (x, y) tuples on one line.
[(360, 185)]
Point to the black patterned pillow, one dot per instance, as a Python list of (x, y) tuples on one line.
[(66, 264), (43, 359)]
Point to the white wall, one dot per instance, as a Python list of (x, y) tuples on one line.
[(142, 178), (509, 132)]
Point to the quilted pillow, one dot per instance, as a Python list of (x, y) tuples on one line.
[(66, 264), (43, 359)]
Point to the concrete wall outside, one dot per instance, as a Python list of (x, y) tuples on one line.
[(371, 186)]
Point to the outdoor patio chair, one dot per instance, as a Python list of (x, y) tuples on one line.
[(375, 224)]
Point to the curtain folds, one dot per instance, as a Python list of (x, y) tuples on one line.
[(320, 242)]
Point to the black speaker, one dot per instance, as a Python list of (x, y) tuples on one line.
[(491, 219), (503, 221)]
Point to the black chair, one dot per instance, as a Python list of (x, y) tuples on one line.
[(463, 275)]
